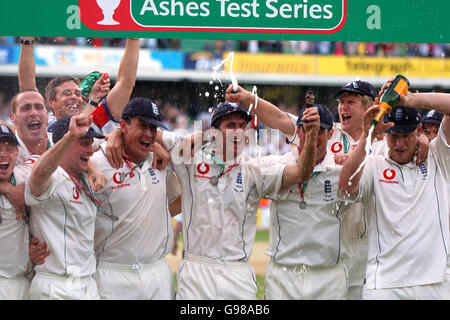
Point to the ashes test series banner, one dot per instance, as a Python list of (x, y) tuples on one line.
[(319, 20)]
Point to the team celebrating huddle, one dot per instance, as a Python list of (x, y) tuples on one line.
[(87, 196)]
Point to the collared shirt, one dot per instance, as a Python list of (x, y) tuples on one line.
[(64, 217), (219, 221), (309, 236), (24, 153), (408, 218), (354, 225), (14, 237), (143, 233)]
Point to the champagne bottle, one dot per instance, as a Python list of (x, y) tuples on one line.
[(391, 96)]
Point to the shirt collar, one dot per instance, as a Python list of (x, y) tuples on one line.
[(411, 164)]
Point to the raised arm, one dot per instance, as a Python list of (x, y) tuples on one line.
[(126, 79), (50, 160), (267, 113), (431, 100), (27, 66), (428, 100), (349, 187), (303, 170)]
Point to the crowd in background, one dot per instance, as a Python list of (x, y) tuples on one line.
[(383, 49), (182, 115)]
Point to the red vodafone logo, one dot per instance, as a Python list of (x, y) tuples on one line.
[(389, 174), (336, 147), (76, 193), (116, 178), (29, 161), (203, 168)]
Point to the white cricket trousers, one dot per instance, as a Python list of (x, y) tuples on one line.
[(202, 278), (302, 282), (14, 288), (152, 281), (355, 260), (434, 291), (49, 286)]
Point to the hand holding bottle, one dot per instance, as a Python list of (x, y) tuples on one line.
[(391, 94)]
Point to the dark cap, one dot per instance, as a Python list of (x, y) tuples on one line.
[(359, 87), (326, 117), (145, 110), (7, 134), (405, 119), (61, 127), (225, 108), (432, 116)]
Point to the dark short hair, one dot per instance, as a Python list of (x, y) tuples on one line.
[(16, 96), (50, 89)]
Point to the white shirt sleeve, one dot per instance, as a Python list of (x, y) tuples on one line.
[(170, 139), (268, 175), (366, 182), (31, 199), (294, 138), (173, 187), (441, 152)]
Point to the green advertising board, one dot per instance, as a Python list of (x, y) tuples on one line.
[(319, 20)]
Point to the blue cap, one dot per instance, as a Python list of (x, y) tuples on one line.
[(360, 87), (432, 116), (225, 108), (7, 134), (326, 117), (145, 110), (405, 119), (61, 127)]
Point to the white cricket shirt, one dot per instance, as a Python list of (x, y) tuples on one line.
[(64, 217), (219, 221), (24, 154), (143, 233), (14, 259), (309, 236), (408, 218)]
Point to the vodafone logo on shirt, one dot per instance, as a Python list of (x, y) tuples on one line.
[(389, 176), (336, 147), (118, 182), (75, 196), (202, 169)]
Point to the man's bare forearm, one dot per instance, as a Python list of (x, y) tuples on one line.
[(27, 66)]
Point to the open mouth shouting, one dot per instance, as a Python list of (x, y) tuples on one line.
[(346, 118), (4, 169), (34, 125), (4, 165)]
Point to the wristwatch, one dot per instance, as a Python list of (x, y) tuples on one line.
[(92, 102), (23, 41)]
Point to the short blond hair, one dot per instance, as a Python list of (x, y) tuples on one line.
[(367, 101)]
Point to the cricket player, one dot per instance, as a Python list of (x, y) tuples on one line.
[(14, 261), (63, 210), (131, 242), (407, 204), (218, 185)]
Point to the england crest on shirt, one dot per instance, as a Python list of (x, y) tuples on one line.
[(155, 179), (423, 170), (239, 187), (327, 191)]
